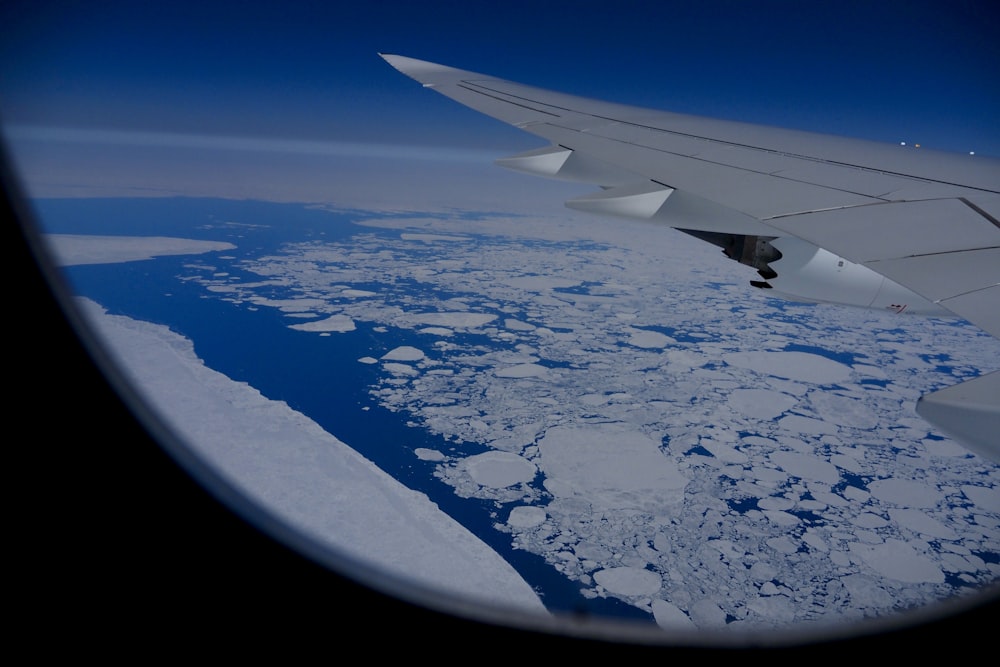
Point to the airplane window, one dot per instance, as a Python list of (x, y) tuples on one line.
[(298, 344)]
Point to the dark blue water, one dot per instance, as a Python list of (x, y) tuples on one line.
[(844, 357), (850, 479), (318, 376), (742, 505)]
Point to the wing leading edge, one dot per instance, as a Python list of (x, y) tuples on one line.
[(925, 223)]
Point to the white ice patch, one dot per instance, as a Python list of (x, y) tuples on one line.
[(455, 320), (436, 331), (906, 492), (838, 409), (800, 424), (74, 249), (628, 581), (986, 498), (609, 465), (428, 238), (898, 560), (707, 614), (499, 469), (338, 323), (518, 325), (403, 353), (670, 617), (649, 339), (425, 454), (526, 516), (400, 369), (760, 403), (541, 283), (917, 520), (521, 371), (799, 366), (594, 399), (724, 452)]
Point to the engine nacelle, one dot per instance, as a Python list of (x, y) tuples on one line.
[(804, 272)]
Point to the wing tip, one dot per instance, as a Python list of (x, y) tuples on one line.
[(425, 71), (408, 65), (392, 59)]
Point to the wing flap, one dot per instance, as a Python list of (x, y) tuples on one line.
[(945, 276), (981, 307), (946, 250), (888, 231), (969, 412)]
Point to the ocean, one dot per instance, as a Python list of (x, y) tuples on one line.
[(319, 376)]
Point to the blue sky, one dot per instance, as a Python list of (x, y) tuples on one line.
[(917, 71)]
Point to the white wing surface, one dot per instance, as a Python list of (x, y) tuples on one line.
[(885, 226)]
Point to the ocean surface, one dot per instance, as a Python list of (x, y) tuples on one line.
[(319, 376)]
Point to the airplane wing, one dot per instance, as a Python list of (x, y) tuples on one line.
[(822, 218)]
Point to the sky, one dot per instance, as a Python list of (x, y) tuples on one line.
[(922, 72)]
